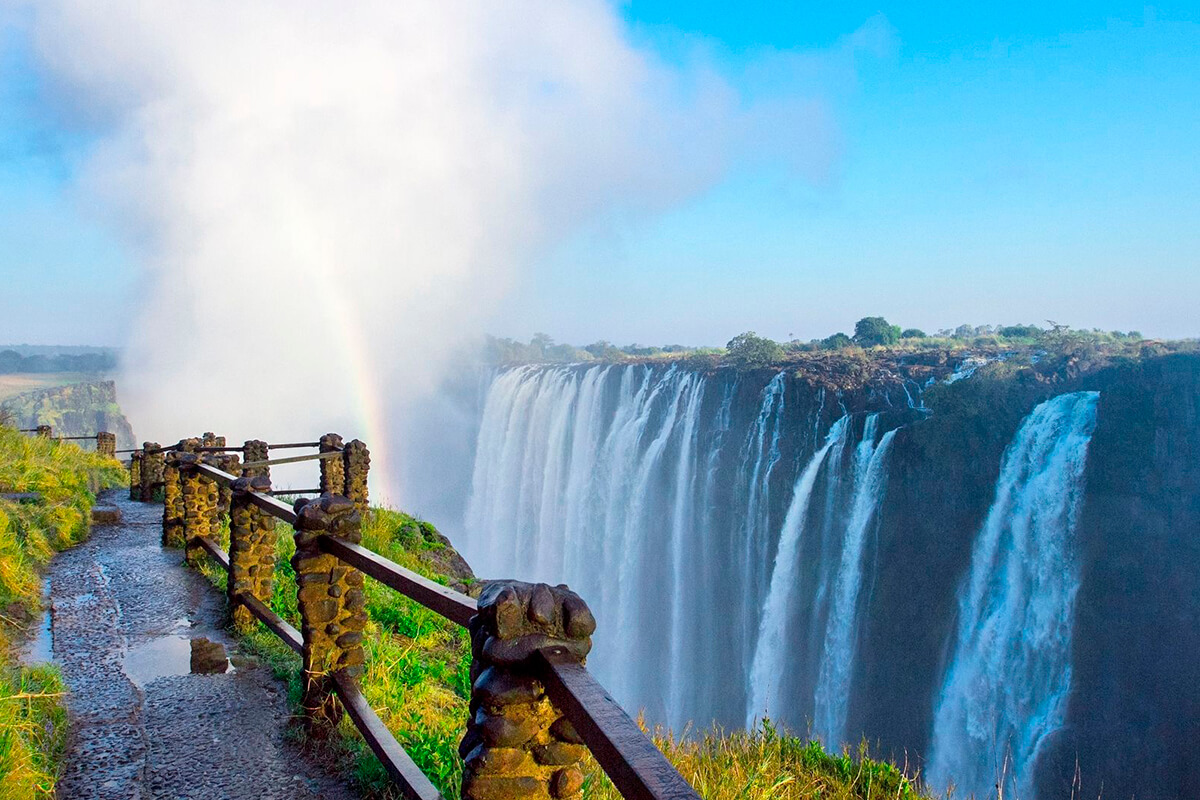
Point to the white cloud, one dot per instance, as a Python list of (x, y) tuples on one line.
[(329, 196)]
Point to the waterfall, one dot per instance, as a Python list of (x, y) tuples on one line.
[(837, 661), (1009, 674), (771, 649), (684, 508)]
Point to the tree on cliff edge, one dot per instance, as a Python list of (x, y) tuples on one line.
[(870, 331), (751, 350)]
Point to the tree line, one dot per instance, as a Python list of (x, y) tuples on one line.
[(748, 350), (13, 362)]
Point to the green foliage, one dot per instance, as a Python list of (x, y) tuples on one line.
[(913, 333), (33, 731), (13, 362), (1020, 331), (872, 331), (768, 765), (838, 341), (32, 718), (748, 350)]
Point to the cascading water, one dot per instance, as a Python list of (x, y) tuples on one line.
[(837, 660), (1009, 673), (676, 503), (771, 650)]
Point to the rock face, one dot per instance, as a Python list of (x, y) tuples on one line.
[(80, 409)]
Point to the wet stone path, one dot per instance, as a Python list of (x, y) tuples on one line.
[(157, 712)]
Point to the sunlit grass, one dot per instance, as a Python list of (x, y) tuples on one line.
[(32, 715), (769, 765)]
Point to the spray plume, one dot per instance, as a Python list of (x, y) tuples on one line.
[(328, 198)]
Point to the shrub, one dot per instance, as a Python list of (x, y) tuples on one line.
[(913, 333), (838, 341), (747, 350), (871, 331)]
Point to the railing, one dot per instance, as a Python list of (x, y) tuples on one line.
[(534, 706), (106, 443)]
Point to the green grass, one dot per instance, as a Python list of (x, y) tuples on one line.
[(32, 715), (769, 765)]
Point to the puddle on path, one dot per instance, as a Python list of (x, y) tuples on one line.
[(39, 649), (175, 655)]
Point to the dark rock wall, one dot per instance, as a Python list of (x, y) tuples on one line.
[(1134, 715)]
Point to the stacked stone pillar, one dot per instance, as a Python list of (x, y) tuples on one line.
[(251, 550), (356, 462), (152, 469), (200, 504), (135, 475), (44, 431), (106, 444), (173, 507), (333, 471), (332, 606), (256, 450), (517, 744)]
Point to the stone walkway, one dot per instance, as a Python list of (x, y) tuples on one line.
[(125, 613)]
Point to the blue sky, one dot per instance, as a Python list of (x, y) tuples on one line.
[(990, 163)]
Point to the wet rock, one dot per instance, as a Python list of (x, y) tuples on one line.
[(105, 515)]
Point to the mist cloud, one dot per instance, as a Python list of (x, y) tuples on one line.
[(329, 198)]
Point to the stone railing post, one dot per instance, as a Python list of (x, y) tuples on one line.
[(226, 462), (333, 472), (173, 506), (44, 431), (106, 444), (256, 450), (135, 475), (152, 469), (251, 550), (199, 506), (356, 462), (332, 606), (517, 744)]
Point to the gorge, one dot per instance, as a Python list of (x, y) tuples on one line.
[(989, 568)]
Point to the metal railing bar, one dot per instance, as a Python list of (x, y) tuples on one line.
[(276, 508), (636, 766), (407, 775), (219, 449), (219, 555), (293, 491), (454, 606), (289, 445), (275, 623), (291, 460), (219, 475)]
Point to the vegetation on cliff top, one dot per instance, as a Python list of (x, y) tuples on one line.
[(872, 335), (32, 717)]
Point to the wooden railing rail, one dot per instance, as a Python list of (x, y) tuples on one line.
[(528, 640)]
